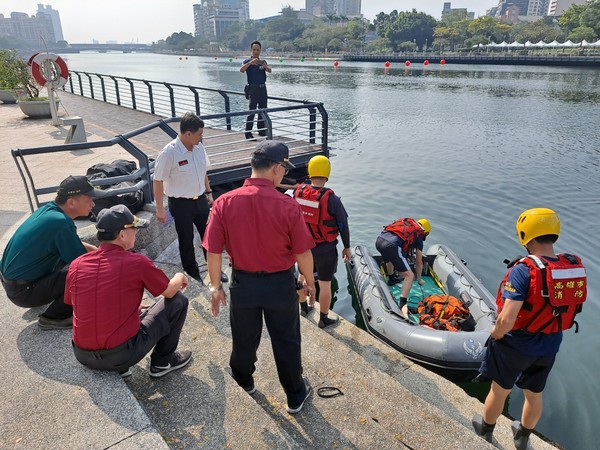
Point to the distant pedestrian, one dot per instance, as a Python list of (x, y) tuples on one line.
[(265, 235), (180, 172), (35, 261), (256, 89), (538, 299), (326, 219), (106, 287), (398, 243)]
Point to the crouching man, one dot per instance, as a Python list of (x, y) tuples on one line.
[(106, 287)]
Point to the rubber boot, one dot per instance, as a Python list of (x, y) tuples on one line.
[(481, 428), (520, 435)]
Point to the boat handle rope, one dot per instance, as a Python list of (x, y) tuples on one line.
[(329, 392)]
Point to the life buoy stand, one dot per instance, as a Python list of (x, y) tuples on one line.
[(48, 69)]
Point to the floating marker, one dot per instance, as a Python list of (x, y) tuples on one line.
[(388, 64), (426, 62), (407, 63), (442, 62), (336, 64)]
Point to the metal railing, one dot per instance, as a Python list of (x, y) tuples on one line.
[(303, 127), (162, 98)]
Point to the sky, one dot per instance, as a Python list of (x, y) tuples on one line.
[(146, 21)]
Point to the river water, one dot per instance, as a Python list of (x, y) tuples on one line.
[(468, 147)]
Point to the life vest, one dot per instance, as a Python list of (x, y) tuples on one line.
[(557, 290), (408, 230), (313, 202), (445, 312)]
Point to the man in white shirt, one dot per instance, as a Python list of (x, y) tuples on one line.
[(180, 173)]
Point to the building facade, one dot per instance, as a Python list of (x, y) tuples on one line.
[(320, 8), (213, 17), (55, 17), (557, 7), (34, 31), (456, 12)]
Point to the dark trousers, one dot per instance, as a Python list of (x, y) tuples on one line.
[(160, 328), (187, 214), (258, 99), (49, 289), (275, 298)]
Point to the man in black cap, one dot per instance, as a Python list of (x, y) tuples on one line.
[(263, 281), (35, 261), (106, 288)]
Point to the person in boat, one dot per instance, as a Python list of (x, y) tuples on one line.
[(538, 299), (105, 288), (398, 243), (264, 234), (36, 259), (256, 90), (326, 219)]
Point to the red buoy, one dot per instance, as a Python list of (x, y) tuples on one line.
[(442, 62), (426, 62), (407, 63), (387, 64), (336, 64)]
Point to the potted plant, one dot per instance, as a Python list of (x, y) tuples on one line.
[(13, 75), (29, 99)]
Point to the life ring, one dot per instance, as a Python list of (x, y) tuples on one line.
[(48, 69)]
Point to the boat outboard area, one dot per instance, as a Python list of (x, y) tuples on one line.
[(455, 352)]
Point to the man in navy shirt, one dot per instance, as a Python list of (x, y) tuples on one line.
[(537, 299), (256, 90)]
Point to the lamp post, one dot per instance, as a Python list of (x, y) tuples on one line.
[(425, 49)]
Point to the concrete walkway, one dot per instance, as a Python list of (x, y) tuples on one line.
[(51, 401)]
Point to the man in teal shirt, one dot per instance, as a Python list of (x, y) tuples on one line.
[(35, 262)]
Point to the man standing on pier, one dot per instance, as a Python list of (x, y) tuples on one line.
[(256, 90), (36, 259), (265, 235), (538, 299), (181, 172)]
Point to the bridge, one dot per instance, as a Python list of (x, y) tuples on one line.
[(103, 48)]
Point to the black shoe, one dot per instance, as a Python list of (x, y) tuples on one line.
[(224, 278), (262, 133), (126, 373), (481, 428), (195, 275), (251, 389), (392, 280), (305, 309), (326, 321), (296, 409), (46, 323), (520, 435), (250, 137), (178, 360)]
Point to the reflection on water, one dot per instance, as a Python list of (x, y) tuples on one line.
[(468, 147)]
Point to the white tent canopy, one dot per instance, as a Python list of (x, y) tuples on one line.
[(540, 44)]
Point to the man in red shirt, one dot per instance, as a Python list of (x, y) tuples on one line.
[(106, 287), (265, 235)]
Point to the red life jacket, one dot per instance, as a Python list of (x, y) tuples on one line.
[(557, 290), (408, 230), (443, 312), (313, 202)]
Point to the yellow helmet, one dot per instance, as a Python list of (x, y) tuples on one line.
[(319, 166), (425, 224), (537, 222)]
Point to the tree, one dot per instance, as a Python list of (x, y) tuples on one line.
[(581, 33), (536, 31), (570, 18), (489, 27), (179, 41), (590, 16), (406, 26)]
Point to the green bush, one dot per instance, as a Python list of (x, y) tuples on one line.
[(14, 74)]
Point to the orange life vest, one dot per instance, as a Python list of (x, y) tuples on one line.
[(408, 230), (557, 290), (443, 312), (313, 202)]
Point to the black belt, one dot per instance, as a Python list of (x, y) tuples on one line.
[(262, 274), (99, 354), (14, 282), (259, 85), (185, 198)]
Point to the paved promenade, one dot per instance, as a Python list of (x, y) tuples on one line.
[(51, 401)]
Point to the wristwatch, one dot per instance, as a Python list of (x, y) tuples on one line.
[(213, 289)]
